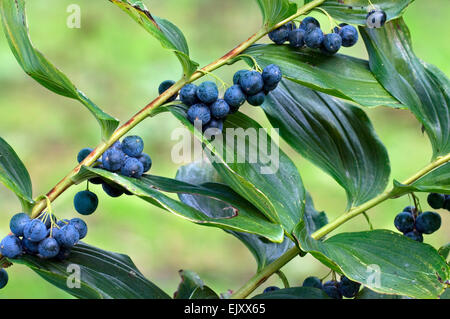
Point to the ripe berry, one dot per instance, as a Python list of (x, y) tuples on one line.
[(349, 35), (234, 97), (83, 154), (112, 159), (404, 222), (35, 230), (220, 109), (309, 23), (349, 288), (188, 94), (291, 25), (48, 248), (296, 38), (314, 38), (117, 145), (63, 254), (331, 288), (10, 246), (3, 278), (331, 43), (271, 288), (376, 19), (436, 200), (47, 219), (146, 161), (312, 282), (214, 124), (30, 247), (199, 112), (133, 145), (251, 82), (207, 92), (18, 223), (164, 86), (447, 202), (68, 236), (409, 209), (428, 222), (280, 35), (257, 99), (237, 76), (85, 202), (80, 226), (414, 235), (271, 75), (132, 167), (112, 190)]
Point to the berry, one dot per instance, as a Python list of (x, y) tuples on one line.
[(164, 86), (349, 35), (47, 219), (280, 35), (251, 82), (296, 38), (331, 43), (84, 153), (18, 223), (48, 248), (63, 254), (415, 235), (63, 222), (85, 202), (199, 112), (290, 25), (117, 145), (112, 190), (188, 94), (409, 209), (112, 159), (312, 282), (257, 99), (10, 246), (80, 226), (3, 278), (271, 75), (270, 289), (68, 236), (436, 200), (207, 92), (133, 145), (314, 38), (428, 222), (376, 19), (309, 23), (349, 288), (404, 222), (234, 97), (146, 161), (132, 167), (447, 202), (237, 76), (35, 230), (30, 247), (220, 109), (331, 288), (214, 124), (268, 88)]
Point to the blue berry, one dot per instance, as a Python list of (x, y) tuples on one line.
[(48, 248), (428, 222), (404, 222), (312, 282), (447, 203), (270, 289), (280, 35), (117, 145), (199, 112), (234, 97), (3, 278), (164, 86), (132, 167), (10, 246), (188, 94), (237, 76), (271, 75), (68, 236), (436, 200), (30, 247), (83, 154), (269, 88), (331, 43), (314, 38), (62, 222), (331, 288), (35, 230), (146, 161), (349, 288), (349, 35), (409, 209), (251, 82), (296, 38), (214, 124), (414, 235), (80, 226), (18, 222), (257, 99), (220, 109), (376, 19), (112, 190), (207, 92), (133, 145), (309, 23), (85, 202), (47, 219), (63, 254), (113, 159)]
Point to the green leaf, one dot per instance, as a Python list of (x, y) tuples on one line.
[(355, 11), (239, 214), (189, 282), (204, 293), (14, 175), (294, 293), (339, 75), (246, 159), (164, 31), (274, 11), (39, 68), (423, 88), (444, 251), (103, 274), (335, 136), (366, 293)]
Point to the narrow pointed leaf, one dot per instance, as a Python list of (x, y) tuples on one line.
[(274, 11), (204, 293), (189, 282), (294, 293), (366, 293)]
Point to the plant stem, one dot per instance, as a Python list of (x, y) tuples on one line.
[(283, 278), (270, 269)]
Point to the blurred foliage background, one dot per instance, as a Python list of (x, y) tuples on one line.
[(119, 66)]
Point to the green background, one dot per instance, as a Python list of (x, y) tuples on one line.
[(119, 66)]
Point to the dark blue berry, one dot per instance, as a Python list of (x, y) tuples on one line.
[(62, 222), (309, 23), (132, 167), (63, 254), (3, 278), (35, 230), (428, 222), (214, 124), (280, 35), (48, 248), (414, 235), (47, 219), (404, 222), (112, 159), (188, 94), (30, 247), (68, 236), (164, 86), (207, 92), (146, 161), (112, 190), (234, 97), (18, 222), (220, 109), (312, 282), (349, 35), (436, 200), (447, 203), (314, 38), (199, 112), (133, 145), (237, 76), (10, 246), (331, 288), (349, 288), (257, 99), (296, 38), (409, 209), (85, 202), (83, 154), (331, 43), (270, 289), (251, 82), (376, 19), (269, 88), (271, 75), (117, 145), (80, 226)]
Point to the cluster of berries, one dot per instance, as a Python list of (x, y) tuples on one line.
[(438, 201), (44, 236), (310, 34), (413, 223)]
